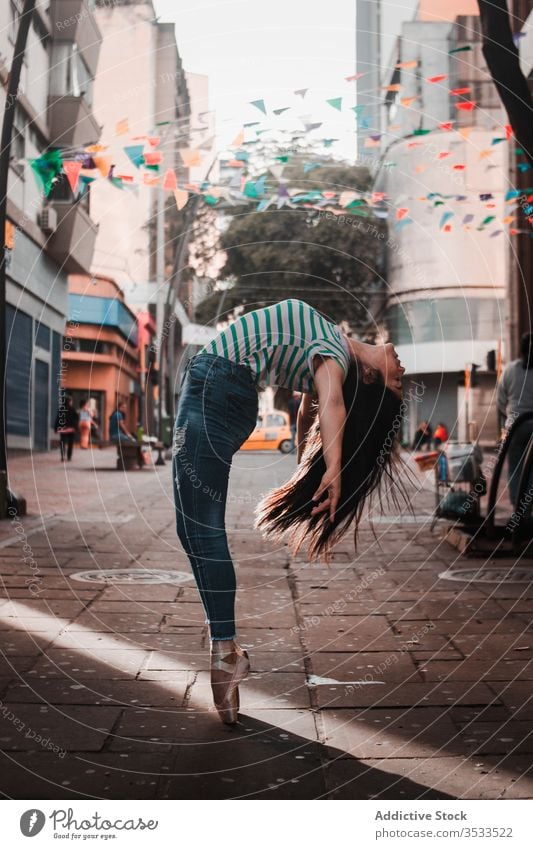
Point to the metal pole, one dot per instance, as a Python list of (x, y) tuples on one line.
[(5, 156)]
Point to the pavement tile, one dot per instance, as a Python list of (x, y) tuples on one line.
[(353, 779), (517, 696), (261, 690), (70, 728), (477, 670), (95, 776), (496, 647), (356, 634), (497, 738), (389, 732), (382, 666), (59, 663), (117, 622), (92, 691), (404, 695)]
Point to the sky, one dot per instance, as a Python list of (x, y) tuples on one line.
[(251, 50)]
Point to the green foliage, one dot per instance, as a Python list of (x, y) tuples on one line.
[(332, 262)]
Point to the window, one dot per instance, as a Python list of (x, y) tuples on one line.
[(449, 319), (275, 420), (69, 75), (18, 144)]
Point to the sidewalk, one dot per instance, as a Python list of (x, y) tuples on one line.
[(375, 678)]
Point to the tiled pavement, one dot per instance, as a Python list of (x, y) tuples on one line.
[(372, 678)]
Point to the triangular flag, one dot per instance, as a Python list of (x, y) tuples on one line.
[(392, 87), (181, 197), (276, 170), (460, 49), (103, 163), (406, 101), (446, 126), (466, 105), (238, 140), (259, 104), (153, 157), (335, 102), (153, 141), (190, 158), (72, 168), (280, 111), (401, 213), (122, 127), (437, 79), (301, 92), (149, 180), (309, 127), (169, 180), (458, 91), (445, 218), (352, 77), (135, 153), (405, 65)]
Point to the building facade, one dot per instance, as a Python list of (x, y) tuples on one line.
[(101, 355), (48, 236), (447, 307)]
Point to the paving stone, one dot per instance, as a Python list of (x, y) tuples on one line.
[(497, 738), (389, 732), (262, 690), (70, 728), (382, 666), (93, 691), (352, 779), (517, 696), (117, 622), (96, 775), (476, 670), (497, 647), (269, 640), (404, 695), (357, 634), (59, 663)]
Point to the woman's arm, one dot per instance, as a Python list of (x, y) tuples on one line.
[(304, 420), (332, 417)]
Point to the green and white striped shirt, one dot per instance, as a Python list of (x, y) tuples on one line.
[(279, 344)]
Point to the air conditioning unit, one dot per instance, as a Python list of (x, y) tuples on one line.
[(48, 220)]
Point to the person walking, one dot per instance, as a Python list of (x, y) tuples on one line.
[(515, 396), (66, 425), (348, 420), (294, 406), (422, 436), (85, 423)]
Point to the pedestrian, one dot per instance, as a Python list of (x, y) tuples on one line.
[(294, 406), (515, 396), (344, 452), (422, 436), (66, 425), (440, 435), (85, 423), (118, 432)]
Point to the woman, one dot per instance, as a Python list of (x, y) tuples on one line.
[(515, 396), (344, 452), (85, 423)]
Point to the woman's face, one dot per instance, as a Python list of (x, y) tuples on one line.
[(388, 368)]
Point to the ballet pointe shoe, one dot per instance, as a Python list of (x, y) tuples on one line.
[(229, 666)]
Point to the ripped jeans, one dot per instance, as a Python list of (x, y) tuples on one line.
[(217, 412)]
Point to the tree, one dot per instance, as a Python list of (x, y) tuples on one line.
[(503, 62), (333, 262)]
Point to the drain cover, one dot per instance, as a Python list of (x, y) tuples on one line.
[(133, 576), (516, 575)]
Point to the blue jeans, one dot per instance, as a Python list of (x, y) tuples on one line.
[(217, 412)]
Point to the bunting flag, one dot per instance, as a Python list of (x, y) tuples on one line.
[(301, 92), (169, 180), (401, 213), (103, 163), (46, 168), (122, 127), (460, 49), (280, 111), (72, 168), (181, 197), (135, 154), (238, 140), (335, 102), (446, 126), (154, 141), (413, 63), (437, 79), (457, 91), (392, 87), (406, 101), (351, 78), (259, 104), (466, 105), (445, 218), (153, 157), (190, 157)]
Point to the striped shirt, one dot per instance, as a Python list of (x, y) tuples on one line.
[(279, 344)]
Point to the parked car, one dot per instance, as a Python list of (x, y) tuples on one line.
[(272, 432)]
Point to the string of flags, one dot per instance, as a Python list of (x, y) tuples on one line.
[(145, 164)]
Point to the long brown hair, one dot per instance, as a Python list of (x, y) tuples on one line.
[(373, 421)]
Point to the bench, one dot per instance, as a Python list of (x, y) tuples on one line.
[(129, 456)]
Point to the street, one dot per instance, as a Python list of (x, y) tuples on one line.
[(373, 678)]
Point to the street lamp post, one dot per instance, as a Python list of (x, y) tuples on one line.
[(5, 156)]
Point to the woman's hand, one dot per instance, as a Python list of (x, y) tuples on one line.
[(330, 485)]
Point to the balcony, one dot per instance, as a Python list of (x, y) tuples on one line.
[(71, 122), (72, 242), (74, 21)]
